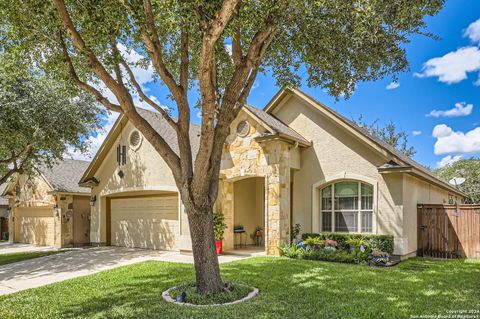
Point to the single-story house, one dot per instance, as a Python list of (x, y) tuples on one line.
[(4, 209), (49, 208), (295, 161)]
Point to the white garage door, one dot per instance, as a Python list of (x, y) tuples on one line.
[(34, 225), (144, 222)]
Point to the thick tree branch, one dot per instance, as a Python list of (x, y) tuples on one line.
[(16, 168), (145, 97), (83, 85), (208, 84), (119, 90), (184, 59), (154, 48), (116, 62), (121, 93), (237, 53), (15, 157), (7, 176)]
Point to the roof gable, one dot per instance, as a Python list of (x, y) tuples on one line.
[(63, 176), (391, 154)]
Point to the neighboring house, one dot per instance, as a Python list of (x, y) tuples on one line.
[(296, 161), (50, 208), (4, 209)]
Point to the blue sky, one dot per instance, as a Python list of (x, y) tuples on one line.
[(443, 78)]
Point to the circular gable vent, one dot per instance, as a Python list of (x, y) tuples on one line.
[(135, 139), (243, 128)]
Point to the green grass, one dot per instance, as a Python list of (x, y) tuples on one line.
[(289, 288), (15, 257), (234, 292)]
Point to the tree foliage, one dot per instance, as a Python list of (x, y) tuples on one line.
[(39, 120), (216, 48), (389, 134), (468, 169)]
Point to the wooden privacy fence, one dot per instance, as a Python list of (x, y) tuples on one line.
[(449, 231)]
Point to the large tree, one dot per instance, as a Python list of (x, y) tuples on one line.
[(40, 121), (468, 169), (216, 47)]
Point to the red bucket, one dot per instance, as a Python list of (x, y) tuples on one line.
[(218, 246)]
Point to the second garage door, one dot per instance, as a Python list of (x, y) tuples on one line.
[(144, 222), (34, 225)]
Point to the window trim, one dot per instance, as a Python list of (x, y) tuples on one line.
[(358, 211)]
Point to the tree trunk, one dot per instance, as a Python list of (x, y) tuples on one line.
[(207, 269)]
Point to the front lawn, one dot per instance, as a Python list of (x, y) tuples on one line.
[(289, 288), (14, 257)]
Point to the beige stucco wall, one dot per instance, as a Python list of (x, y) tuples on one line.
[(32, 191), (144, 173), (337, 154)]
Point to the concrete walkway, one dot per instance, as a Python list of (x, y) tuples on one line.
[(80, 262)]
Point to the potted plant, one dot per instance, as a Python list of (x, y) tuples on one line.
[(219, 227)]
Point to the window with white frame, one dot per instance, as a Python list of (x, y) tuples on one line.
[(347, 206)]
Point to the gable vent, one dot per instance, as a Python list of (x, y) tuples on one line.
[(243, 128), (135, 139)]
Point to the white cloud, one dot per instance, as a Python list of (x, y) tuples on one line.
[(441, 130), (451, 142), (416, 133), (392, 86), (473, 31), (460, 109), (448, 160), (228, 47), (452, 67)]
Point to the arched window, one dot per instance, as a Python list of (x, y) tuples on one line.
[(347, 206)]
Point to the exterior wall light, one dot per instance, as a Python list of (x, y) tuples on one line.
[(93, 199)]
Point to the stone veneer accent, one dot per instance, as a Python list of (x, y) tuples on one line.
[(244, 157)]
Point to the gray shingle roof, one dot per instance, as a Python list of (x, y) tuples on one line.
[(277, 125), (392, 150), (3, 201), (64, 176), (162, 127)]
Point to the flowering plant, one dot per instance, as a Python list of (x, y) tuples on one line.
[(379, 257)]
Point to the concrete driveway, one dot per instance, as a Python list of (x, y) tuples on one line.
[(9, 248), (80, 262)]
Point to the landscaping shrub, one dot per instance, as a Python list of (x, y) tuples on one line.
[(381, 242), (345, 248)]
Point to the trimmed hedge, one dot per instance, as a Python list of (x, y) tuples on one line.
[(381, 242)]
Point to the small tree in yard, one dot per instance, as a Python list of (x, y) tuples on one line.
[(468, 169), (389, 134), (215, 48), (39, 121)]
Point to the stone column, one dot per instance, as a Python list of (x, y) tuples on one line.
[(277, 197)]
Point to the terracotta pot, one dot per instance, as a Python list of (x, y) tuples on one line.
[(219, 247)]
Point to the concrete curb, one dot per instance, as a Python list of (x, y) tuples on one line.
[(251, 295)]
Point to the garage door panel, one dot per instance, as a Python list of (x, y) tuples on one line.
[(148, 222), (35, 225)]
